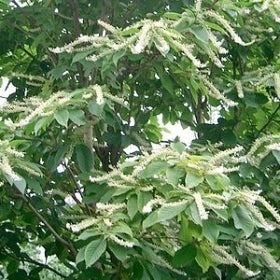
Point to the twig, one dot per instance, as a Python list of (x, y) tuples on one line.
[(268, 122), (51, 229), (78, 188), (30, 260)]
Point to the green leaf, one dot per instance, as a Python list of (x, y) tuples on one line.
[(167, 212), (218, 182), (153, 169), (81, 55), (202, 260), (276, 154), (142, 199), (34, 185), (173, 16), (165, 79), (118, 55), (195, 214), (77, 117), (163, 214), (62, 117), (200, 33), (210, 230), (122, 228), (42, 124), (96, 109), (132, 206), (193, 180), (84, 157), (20, 184), (94, 251), (7, 2), (129, 31), (81, 255), (119, 251), (184, 256), (173, 174), (178, 147), (151, 220), (55, 159), (242, 219)]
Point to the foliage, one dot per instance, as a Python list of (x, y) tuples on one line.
[(91, 81)]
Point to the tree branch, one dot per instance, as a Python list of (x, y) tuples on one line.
[(77, 187), (28, 259), (50, 228), (268, 121)]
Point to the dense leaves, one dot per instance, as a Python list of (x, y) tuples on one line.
[(82, 180)]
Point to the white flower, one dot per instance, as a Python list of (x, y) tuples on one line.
[(277, 84), (239, 88), (99, 94), (82, 225), (121, 241), (201, 210), (227, 26)]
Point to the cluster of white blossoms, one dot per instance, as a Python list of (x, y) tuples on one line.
[(257, 249), (253, 197), (121, 242), (277, 84), (36, 81), (36, 107), (200, 207), (261, 147), (99, 94), (236, 38), (214, 92), (6, 168), (86, 223), (109, 208), (273, 6), (220, 254), (148, 208), (239, 88)]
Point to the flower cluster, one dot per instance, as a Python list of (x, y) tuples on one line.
[(220, 254), (109, 208), (261, 147), (82, 225), (200, 207), (214, 92), (120, 241), (227, 27), (257, 249)]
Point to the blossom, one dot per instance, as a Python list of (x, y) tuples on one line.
[(277, 84), (148, 208), (6, 168), (239, 88), (99, 94), (109, 207), (199, 204), (227, 26), (82, 225), (214, 92), (187, 50), (221, 255), (121, 242), (143, 38)]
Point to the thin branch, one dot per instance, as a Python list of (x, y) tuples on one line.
[(30, 260), (268, 121), (77, 187), (51, 229)]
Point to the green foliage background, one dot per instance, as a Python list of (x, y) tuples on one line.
[(92, 78)]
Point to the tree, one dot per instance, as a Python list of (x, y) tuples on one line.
[(91, 80)]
